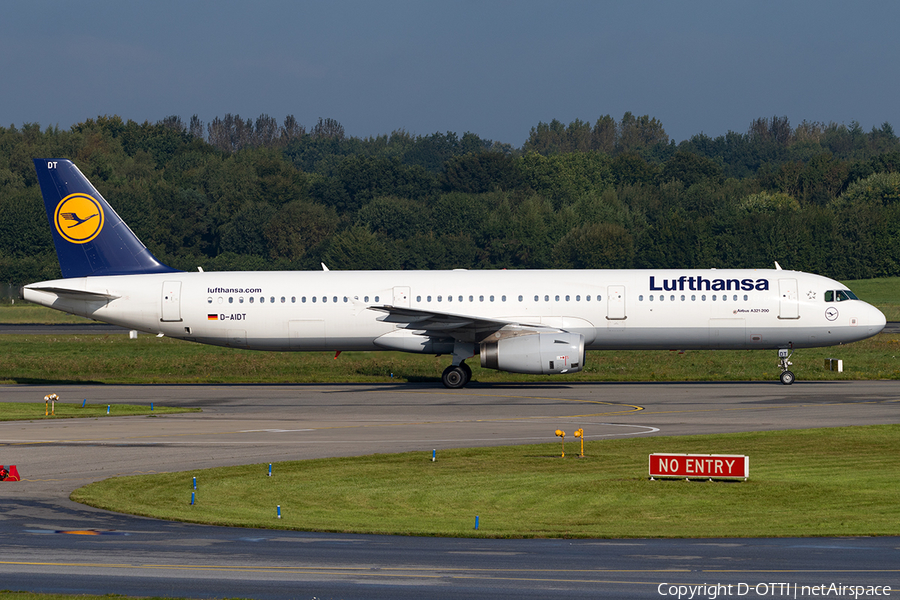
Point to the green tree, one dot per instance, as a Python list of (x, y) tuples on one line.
[(595, 246), (246, 232), (299, 228), (637, 133), (482, 172), (630, 168), (397, 218), (879, 188), (565, 177), (358, 248), (691, 168), (766, 202)]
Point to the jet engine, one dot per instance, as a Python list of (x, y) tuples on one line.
[(536, 353)]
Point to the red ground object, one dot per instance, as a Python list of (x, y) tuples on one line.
[(13, 473)]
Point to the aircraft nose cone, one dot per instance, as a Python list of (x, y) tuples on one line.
[(877, 320)]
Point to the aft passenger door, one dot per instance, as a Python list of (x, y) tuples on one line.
[(171, 301)]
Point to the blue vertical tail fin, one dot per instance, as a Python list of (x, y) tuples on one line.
[(90, 238)]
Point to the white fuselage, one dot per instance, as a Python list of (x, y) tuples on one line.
[(612, 309)]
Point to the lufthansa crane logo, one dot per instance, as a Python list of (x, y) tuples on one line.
[(78, 218)]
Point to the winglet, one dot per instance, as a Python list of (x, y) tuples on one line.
[(90, 238)]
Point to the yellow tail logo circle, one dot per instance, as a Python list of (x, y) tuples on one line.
[(78, 218)]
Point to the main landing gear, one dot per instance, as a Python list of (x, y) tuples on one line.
[(787, 377), (456, 376)]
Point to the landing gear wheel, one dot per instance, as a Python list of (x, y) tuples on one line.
[(468, 371), (784, 361), (454, 377)]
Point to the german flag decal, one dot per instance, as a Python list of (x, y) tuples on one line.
[(212, 317)]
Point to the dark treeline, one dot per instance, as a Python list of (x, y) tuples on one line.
[(258, 194)]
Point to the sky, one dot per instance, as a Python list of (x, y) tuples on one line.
[(493, 68)]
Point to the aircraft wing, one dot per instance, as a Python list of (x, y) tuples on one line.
[(463, 328)]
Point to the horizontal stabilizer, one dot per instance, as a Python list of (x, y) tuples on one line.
[(72, 293)]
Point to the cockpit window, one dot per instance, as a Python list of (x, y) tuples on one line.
[(839, 295)]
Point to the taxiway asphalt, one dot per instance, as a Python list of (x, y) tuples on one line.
[(48, 543)]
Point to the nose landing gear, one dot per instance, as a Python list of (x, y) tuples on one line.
[(787, 377)]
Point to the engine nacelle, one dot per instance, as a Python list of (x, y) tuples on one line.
[(537, 353)]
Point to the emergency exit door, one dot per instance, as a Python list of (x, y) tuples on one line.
[(615, 307)]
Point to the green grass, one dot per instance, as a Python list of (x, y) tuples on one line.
[(51, 359), (24, 312), (21, 411), (883, 293), (822, 482)]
